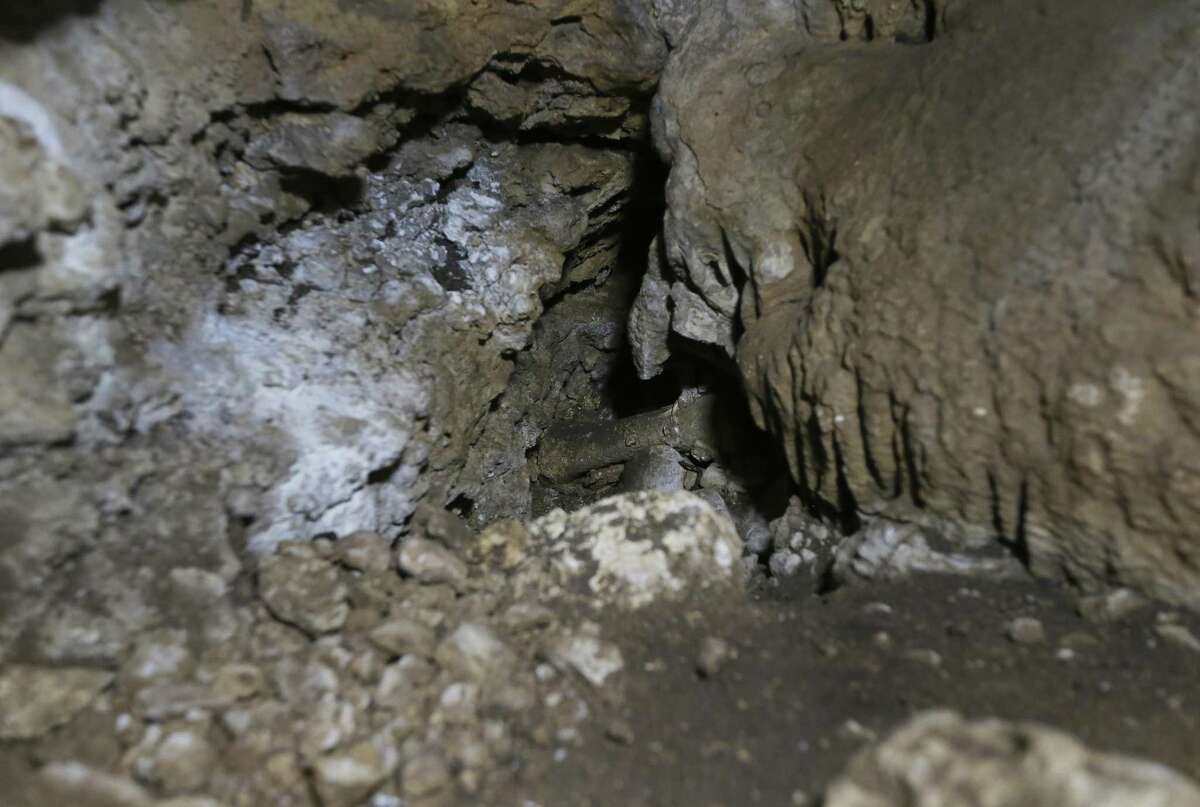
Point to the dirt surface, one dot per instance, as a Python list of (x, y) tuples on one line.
[(548, 673), (817, 677)]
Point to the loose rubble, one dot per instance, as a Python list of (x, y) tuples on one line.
[(419, 681), (347, 680), (887, 549)]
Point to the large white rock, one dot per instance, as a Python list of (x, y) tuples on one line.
[(939, 759), (627, 550)]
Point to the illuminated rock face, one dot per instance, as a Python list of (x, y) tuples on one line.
[(955, 265), (264, 275)]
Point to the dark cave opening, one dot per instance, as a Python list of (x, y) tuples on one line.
[(22, 254), (617, 440), (22, 22)]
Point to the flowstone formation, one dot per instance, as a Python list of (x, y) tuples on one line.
[(951, 248)]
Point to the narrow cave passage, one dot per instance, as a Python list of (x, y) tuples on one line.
[(596, 428)]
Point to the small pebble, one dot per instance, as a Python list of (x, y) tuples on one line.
[(238, 681), (853, 730), (924, 655), (785, 564), (714, 654), (1111, 606), (826, 648), (619, 731), (757, 538), (1078, 640), (365, 551), (1178, 635), (431, 563), (1026, 630), (424, 775)]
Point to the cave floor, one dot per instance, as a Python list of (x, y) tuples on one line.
[(808, 682), (816, 678)]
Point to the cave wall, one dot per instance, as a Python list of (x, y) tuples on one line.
[(952, 247), (265, 266)]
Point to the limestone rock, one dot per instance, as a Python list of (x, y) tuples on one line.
[(785, 563), (443, 526), (346, 778), (931, 311), (400, 679), (178, 758), (160, 654), (431, 563), (475, 651), (225, 283), (659, 468), (649, 319), (583, 651), (34, 700), (628, 550), (886, 549), (331, 143), (1026, 630), (365, 551), (716, 477), (169, 700), (1110, 606), (425, 774), (303, 591), (940, 758), (38, 190), (713, 655), (72, 634), (401, 637), (76, 783), (1179, 635), (237, 681)]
